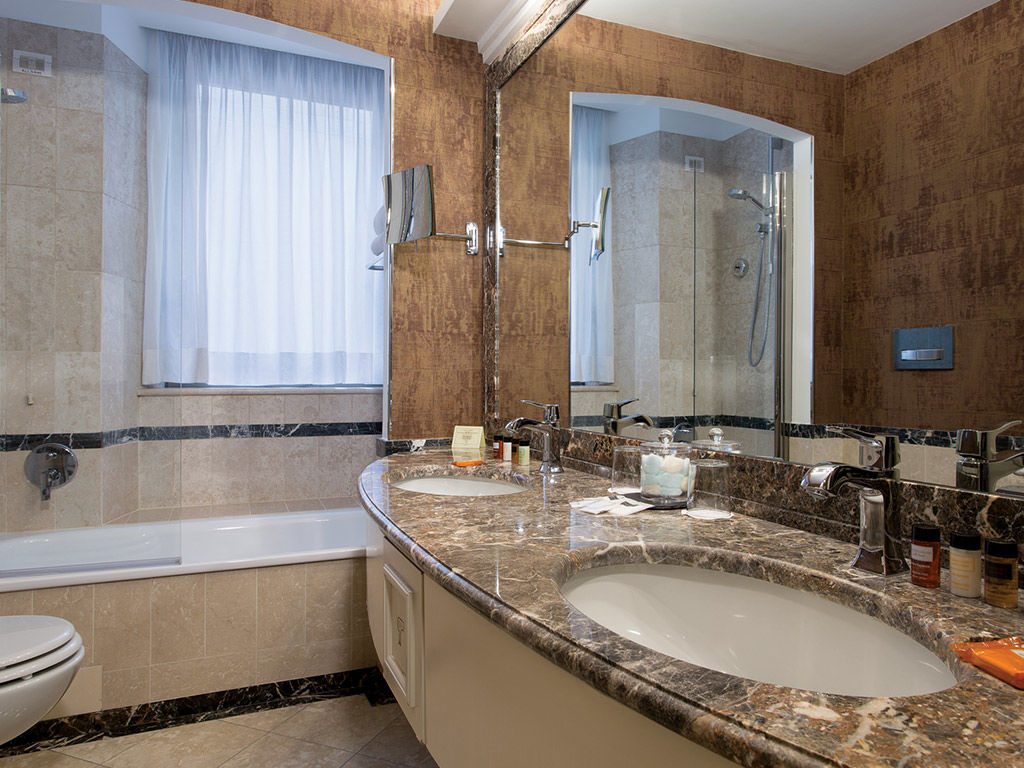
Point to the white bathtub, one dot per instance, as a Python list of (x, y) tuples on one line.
[(122, 552)]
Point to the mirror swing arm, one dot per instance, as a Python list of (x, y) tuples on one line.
[(499, 242)]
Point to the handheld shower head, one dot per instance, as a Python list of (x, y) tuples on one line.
[(12, 96), (742, 194)]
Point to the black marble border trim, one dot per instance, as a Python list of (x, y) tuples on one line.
[(81, 440), (932, 437), (701, 420), (389, 447), (78, 729)]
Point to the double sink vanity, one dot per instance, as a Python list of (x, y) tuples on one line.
[(516, 631)]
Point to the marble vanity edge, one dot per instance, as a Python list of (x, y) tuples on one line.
[(698, 724)]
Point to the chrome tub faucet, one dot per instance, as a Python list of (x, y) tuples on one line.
[(551, 463), (876, 480), (980, 466), (614, 421)]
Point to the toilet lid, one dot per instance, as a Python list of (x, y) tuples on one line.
[(26, 637)]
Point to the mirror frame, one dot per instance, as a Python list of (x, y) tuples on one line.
[(547, 21)]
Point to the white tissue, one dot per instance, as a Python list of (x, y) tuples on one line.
[(612, 505)]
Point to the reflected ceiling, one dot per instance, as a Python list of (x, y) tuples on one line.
[(838, 36)]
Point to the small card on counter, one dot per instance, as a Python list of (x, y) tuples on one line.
[(468, 443), (615, 506)]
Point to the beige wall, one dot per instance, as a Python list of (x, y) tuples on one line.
[(156, 639)]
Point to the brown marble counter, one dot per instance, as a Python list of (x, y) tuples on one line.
[(505, 556)]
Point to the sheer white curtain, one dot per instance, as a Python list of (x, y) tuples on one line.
[(591, 342), (264, 177)]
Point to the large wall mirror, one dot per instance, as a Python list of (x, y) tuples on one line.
[(906, 208)]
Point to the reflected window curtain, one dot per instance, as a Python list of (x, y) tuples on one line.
[(591, 317), (264, 178)]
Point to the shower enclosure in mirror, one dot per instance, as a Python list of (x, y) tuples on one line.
[(685, 312), (127, 230)]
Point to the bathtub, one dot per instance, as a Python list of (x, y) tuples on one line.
[(122, 552)]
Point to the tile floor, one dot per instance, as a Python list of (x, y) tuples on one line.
[(326, 734)]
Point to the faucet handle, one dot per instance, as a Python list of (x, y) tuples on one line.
[(877, 451), (550, 411), (980, 443), (614, 410)]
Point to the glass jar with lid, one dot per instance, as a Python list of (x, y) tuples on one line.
[(716, 442), (666, 472)]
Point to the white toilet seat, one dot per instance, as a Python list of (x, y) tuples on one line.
[(25, 638), (41, 663)]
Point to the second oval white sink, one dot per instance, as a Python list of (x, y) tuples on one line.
[(458, 485), (755, 629)]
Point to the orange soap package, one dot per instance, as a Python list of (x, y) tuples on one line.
[(1001, 658)]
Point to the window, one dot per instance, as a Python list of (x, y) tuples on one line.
[(591, 322), (264, 173)]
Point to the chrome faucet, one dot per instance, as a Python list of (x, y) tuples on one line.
[(551, 463), (614, 421), (876, 480), (980, 466)]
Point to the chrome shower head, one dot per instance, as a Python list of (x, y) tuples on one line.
[(12, 96), (742, 194)]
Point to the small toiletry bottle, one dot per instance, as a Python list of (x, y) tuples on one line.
[(524, 452), (496, 445), (965, 564), (508, 445), (924, 555), (1001, 573)]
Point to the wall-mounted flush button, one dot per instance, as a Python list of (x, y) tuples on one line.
[(923, 348)]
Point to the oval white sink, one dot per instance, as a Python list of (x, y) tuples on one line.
[(467, 485), (757, 630)]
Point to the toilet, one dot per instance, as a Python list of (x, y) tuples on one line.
[(39, 656)]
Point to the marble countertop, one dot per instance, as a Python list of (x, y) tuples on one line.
[(506, 556)]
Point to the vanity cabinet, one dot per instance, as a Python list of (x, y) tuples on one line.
[(394, 603), (477, 697)]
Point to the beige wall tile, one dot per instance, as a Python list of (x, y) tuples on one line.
[(195, 471), (282, 606), (36, 127), (79, 150), (125, 687), (16, 603), (159, 479), (122, 632), (160, 411), (367, 407), (301, 409), (211, 673), (178, 618), (85, 694), (77, 391), (335, 408), (289, 662), (196, 410), (229, 409), (229, 471), (231, 598), (75, 604), (78, 234), (120, 481), (266, 409), (330, 596), (79, 503)]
